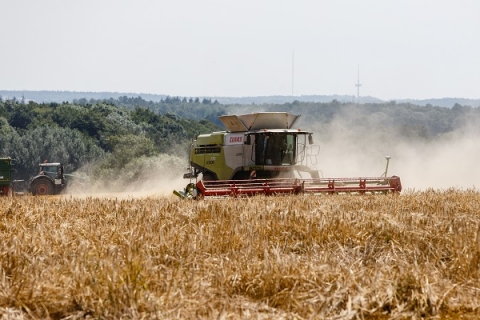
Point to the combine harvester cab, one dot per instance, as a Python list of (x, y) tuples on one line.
[(261, 153)]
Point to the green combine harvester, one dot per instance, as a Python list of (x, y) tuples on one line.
[(263, 153)]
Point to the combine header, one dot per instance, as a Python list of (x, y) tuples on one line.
[(261, 153)]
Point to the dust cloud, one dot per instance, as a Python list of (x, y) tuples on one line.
[(155, 176), (448, 162), (356, 147)]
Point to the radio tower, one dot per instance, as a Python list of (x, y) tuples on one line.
[(358, 84)]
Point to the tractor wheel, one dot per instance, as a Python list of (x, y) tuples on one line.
[(42, 188)]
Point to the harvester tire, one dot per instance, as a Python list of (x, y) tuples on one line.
[(42, 188), (191, 191)]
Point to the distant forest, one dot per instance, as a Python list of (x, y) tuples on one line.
[(102, 137), (70, 96)]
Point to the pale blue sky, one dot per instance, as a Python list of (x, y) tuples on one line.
[(405, 49)]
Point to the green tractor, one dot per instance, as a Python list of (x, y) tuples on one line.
[(49, 181)]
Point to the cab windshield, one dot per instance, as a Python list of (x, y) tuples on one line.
[(49, 170), (276, 149)]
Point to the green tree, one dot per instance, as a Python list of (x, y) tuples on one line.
[(126, 149), (21, 116), (10, 141), (55, 144)]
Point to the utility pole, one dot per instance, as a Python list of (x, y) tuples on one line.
[(358, 85), (293, 69)]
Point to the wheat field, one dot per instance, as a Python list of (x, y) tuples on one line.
[(409, 256)]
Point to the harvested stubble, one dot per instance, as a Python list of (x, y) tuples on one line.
[(327, 257)]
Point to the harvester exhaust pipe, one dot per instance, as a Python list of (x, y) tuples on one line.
[(386, 168)]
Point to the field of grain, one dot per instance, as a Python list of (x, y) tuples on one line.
[(416, 255)]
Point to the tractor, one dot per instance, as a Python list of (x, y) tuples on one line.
[(49, 181)]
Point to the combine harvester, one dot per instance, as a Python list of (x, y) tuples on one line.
[(261, 153)]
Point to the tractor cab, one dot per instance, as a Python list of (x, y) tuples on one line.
[(52, 170)]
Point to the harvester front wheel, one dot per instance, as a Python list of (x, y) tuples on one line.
[(191, 191), (42, 188)]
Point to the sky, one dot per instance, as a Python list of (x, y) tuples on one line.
[(409, 49)]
